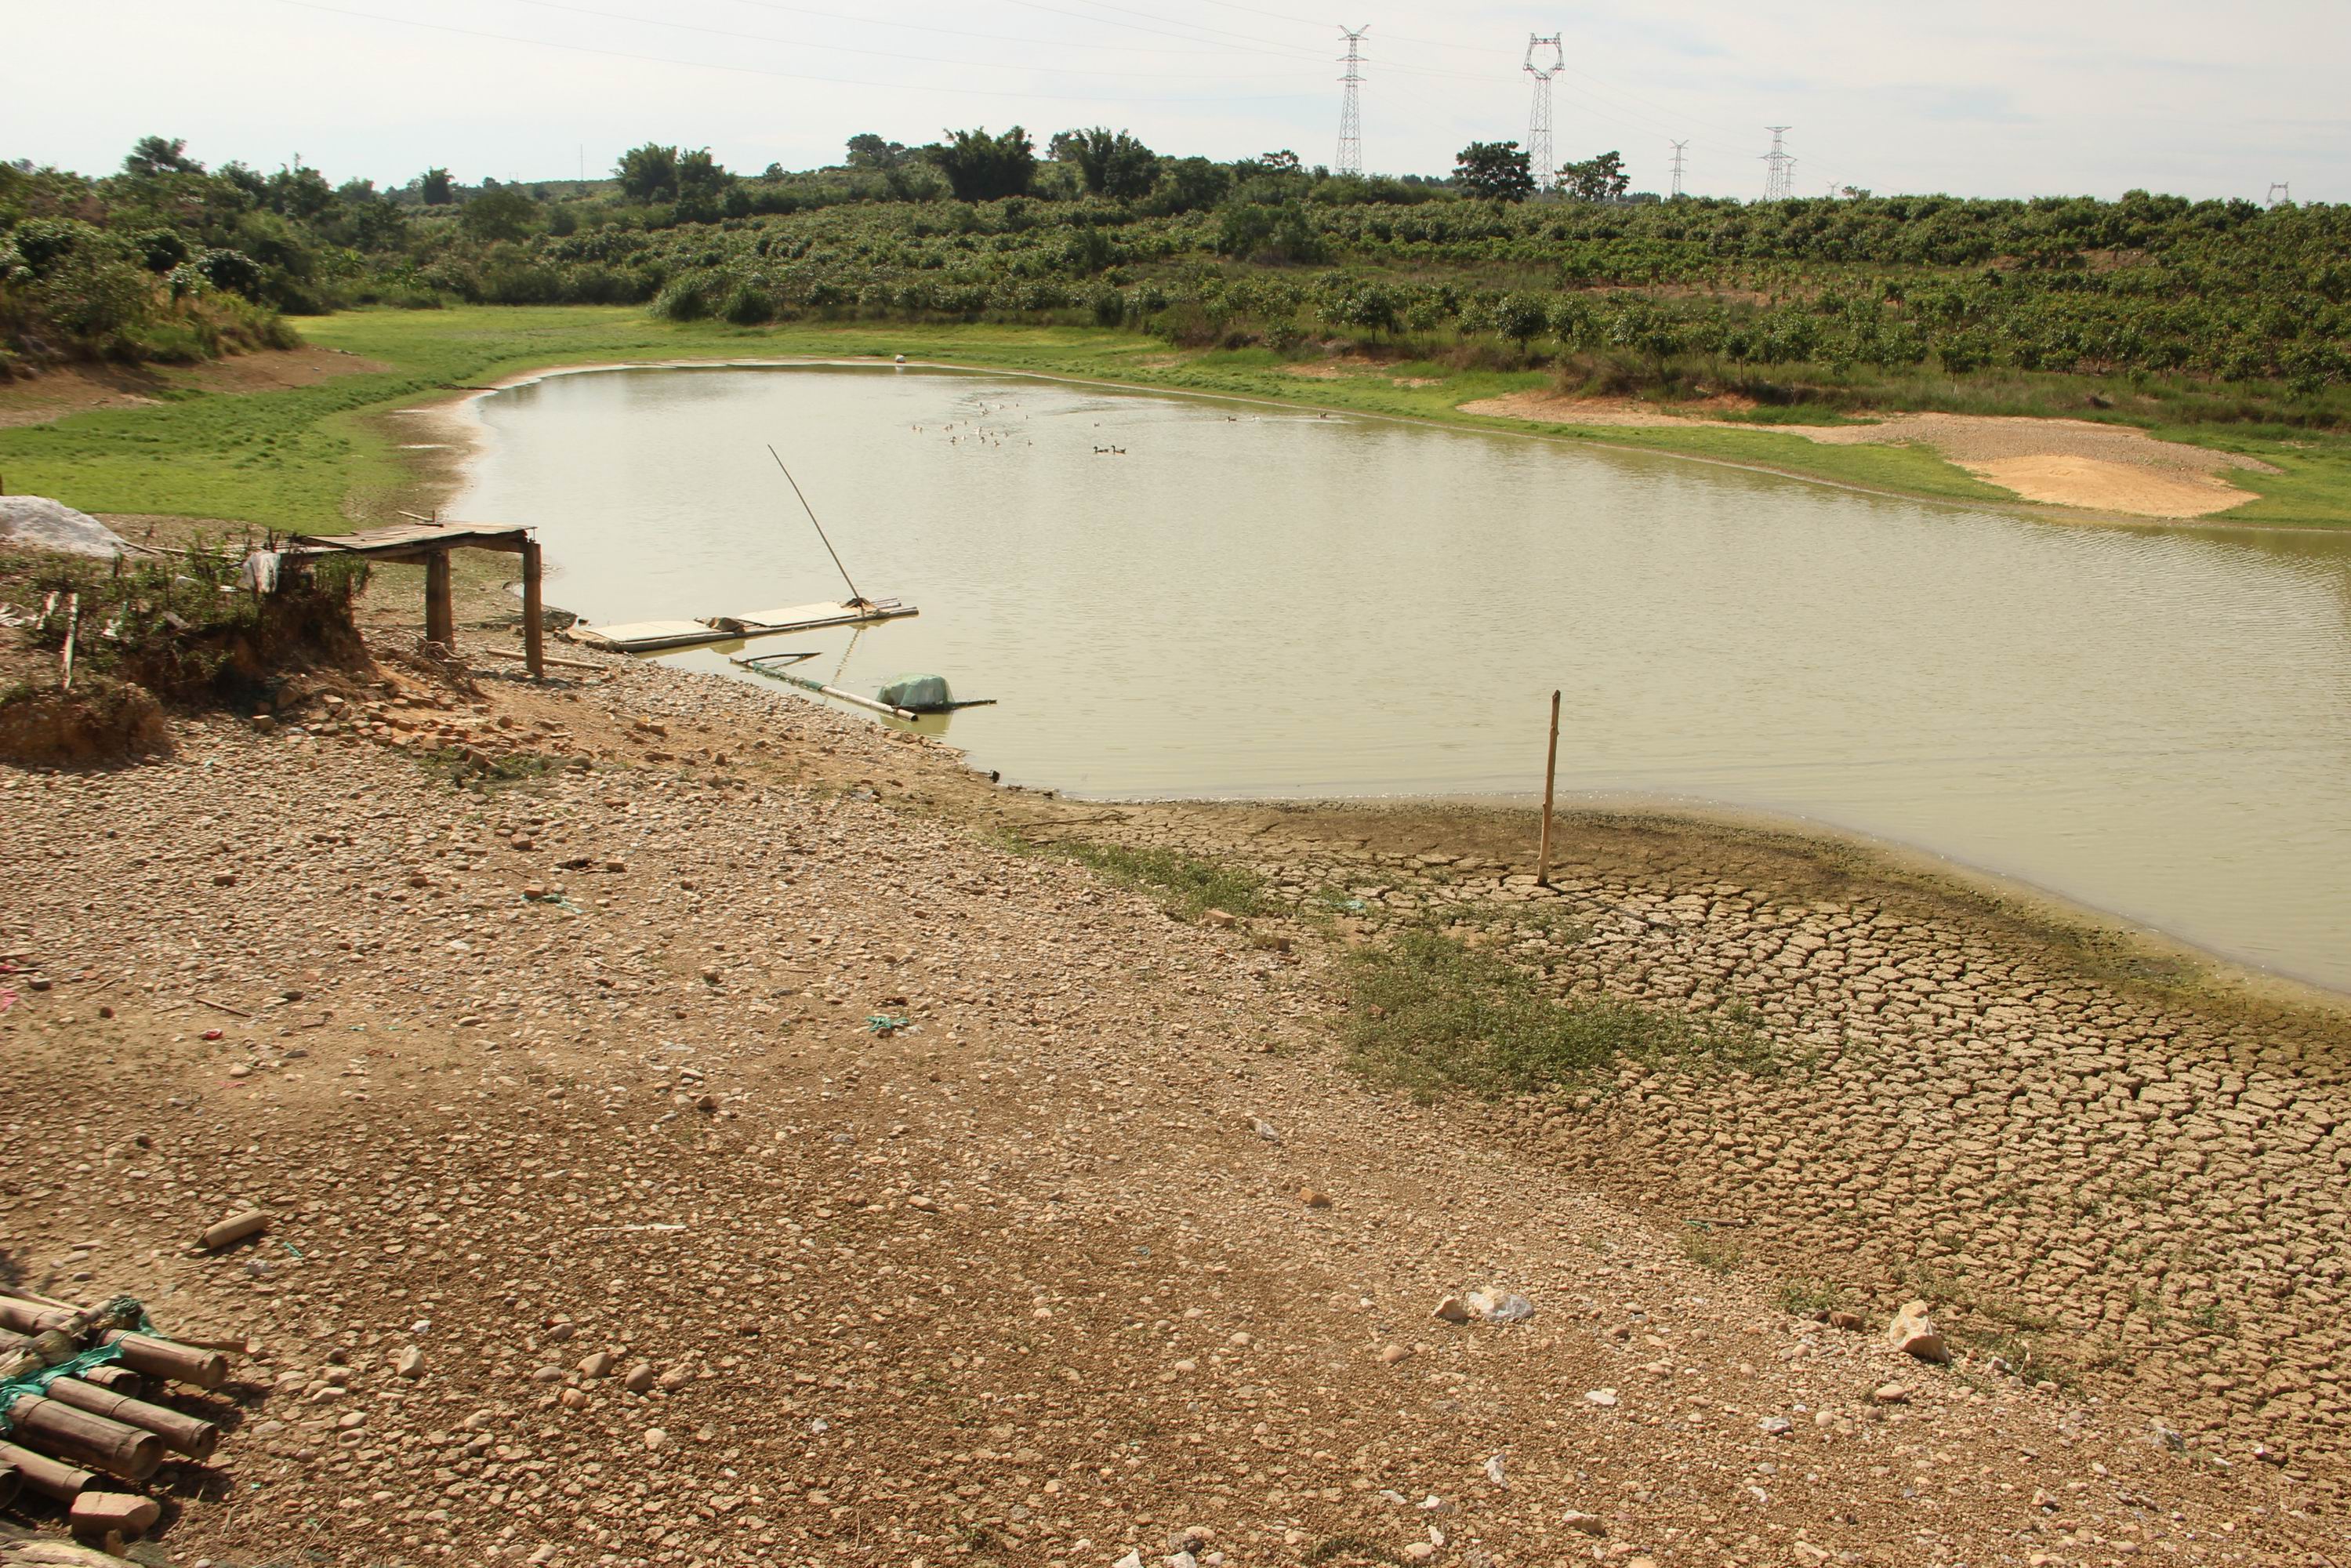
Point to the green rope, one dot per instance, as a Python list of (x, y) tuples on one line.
[(125, 1313)]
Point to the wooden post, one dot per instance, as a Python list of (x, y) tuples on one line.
[(73, 626), (1550, 772), (534, 611), (440, 610)]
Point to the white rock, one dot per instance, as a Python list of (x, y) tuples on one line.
[(1914, 1332)]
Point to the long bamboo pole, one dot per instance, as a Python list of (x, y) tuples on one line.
[(183, 1433), (85, 1439), (144, 1353), (1551, 774), (50, 1477), (854, 597)]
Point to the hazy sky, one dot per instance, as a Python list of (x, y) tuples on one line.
[(1990, 98)]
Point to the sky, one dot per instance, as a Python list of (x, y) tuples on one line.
[(1994, 98)]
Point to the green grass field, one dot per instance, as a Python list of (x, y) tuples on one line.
[(326, 457)]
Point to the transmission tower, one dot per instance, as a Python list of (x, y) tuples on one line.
[(1350, 107), (1779, 172), (1678, 146), (2280, 194), (1539, 117)]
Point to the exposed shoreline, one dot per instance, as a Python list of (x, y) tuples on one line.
[(456, 419)]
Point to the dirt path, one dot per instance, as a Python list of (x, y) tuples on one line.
[(79, 389), (2058, 462), (1105, 1249)]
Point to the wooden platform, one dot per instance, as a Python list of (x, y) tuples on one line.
[(811, 617), (430, 540), (650, 636), (658, 636)]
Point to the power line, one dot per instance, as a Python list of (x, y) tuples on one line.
[(1350, 107), (1539, 152), (1679, 148), (1780, 169), (852, 49), (758, 70)]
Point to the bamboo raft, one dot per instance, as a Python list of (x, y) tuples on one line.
[(70, 1385)]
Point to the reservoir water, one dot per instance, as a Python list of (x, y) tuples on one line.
[(1255, 602)]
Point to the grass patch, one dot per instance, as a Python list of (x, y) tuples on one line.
[(325, 457), (1717, 1255), (485, 773), (1803, 1298), (1186, 885), (1430, 1013)]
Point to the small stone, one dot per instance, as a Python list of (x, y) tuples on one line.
[(1913, 1333), (1775, 1426), (655, 1438), (1219, 918), (1584, 1523), (1451, 1309), (1419, 1552), (1392, 1353), (547, 1374), (1314, 1197), (1604, 1397), (1848, 1321), (675, 1377), (640, 1379), (1890, 1393), (409, 1362), (1498, 1306), (597, 1364), (1264, 1129)]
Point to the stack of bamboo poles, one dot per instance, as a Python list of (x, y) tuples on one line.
[(93, 1420)]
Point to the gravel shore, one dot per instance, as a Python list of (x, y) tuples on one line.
[(725, 1137)]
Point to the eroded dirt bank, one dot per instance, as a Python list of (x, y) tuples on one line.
[(573, 1087)]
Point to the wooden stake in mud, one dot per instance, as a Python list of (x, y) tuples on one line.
[(1551, 773), (73, 625), (534, 611)]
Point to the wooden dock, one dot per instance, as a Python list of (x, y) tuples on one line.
[(430, 541)]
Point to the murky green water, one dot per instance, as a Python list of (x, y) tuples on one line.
[(2155, 722)]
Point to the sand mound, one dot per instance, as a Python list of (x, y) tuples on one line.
[(2059, 462), (35, 522), (2106, 485)]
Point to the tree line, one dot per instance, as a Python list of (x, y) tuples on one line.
[(1263, 251)]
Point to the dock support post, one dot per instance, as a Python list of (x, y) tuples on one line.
[(1550, 772), (534, 608), (440, 608)]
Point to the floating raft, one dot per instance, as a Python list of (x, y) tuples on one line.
[(655, 636), (811, 617)]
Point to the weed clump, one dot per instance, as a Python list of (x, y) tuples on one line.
[(1188, 885), (1430, 1013)]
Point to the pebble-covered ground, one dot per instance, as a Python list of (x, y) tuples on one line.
[(723, 1144)]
